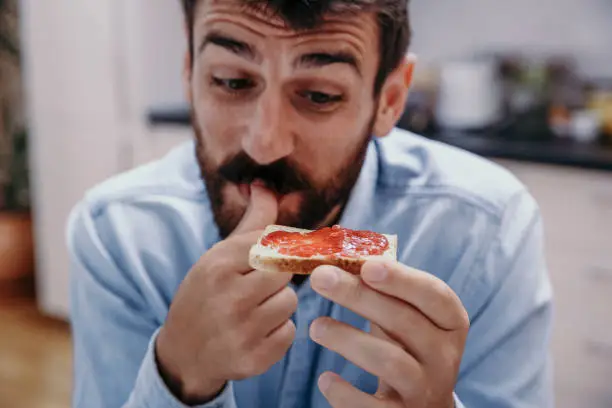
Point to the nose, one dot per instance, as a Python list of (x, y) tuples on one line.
[(269, 138)]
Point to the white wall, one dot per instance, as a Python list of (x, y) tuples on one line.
[(163, 45), (151, 46), (450, 28), (91, 69), (155, 47), (74, 121)]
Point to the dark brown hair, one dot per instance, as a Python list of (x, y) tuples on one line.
[(393, 21)]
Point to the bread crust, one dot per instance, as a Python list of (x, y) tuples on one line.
[(303, 266)]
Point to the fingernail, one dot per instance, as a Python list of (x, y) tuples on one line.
[(325, 278), (317, 329), (325, 381), (375, 273)]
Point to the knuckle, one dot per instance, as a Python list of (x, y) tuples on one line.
[(236, 310), (290, 331), (290, 300), (245, 340), (352, 292), (218, 264), (398, 364), (446, 294), (239, 342), (246, 365), (284, 337), (218, 250), (448, 300), (417, 389), (258, 363), (449, 354), (464, 320), (409, 317), (218, 246), (213, 271)]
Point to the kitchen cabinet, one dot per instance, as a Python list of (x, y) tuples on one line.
[(576, 206)]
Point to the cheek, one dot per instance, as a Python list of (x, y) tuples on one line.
[(328, 144), (218, 126)]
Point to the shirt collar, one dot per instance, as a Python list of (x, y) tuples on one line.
[(356, 212)]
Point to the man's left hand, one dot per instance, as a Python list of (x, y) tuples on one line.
[(419, 328)]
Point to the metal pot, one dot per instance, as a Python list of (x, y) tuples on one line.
[(470, 95)]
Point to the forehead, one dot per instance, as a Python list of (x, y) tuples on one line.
[(356, 29)]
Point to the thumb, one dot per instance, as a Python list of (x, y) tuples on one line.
[(261, 212)]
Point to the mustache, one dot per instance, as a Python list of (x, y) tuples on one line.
[(281, 176)]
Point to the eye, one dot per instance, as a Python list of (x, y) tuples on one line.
[(320, 98), (233, 84)]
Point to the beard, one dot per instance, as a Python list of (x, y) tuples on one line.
[(317, 202)]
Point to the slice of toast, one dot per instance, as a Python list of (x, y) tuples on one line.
[(267, 259)]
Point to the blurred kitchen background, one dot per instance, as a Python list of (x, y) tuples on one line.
[(527, 83)]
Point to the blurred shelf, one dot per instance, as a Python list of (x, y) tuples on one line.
[(505, 145), (176, 115), (551, 151)]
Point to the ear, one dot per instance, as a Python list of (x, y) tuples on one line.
[(187, 70), (393, 95)]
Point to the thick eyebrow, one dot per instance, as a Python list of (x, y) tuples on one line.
[(233, 45), (322, 59)]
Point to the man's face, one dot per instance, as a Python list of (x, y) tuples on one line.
[(292, 109)]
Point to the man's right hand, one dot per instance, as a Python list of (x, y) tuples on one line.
[(227, 321)]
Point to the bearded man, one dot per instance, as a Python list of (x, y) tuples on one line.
[(294, 106)]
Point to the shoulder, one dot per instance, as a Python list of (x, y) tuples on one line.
[(415, 165), (165, 190), (151, 223), (459, 216), (176, 175)]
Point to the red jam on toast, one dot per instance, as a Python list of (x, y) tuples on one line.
[(329, 241)]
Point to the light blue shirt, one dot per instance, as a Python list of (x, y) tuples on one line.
[(133, 239)]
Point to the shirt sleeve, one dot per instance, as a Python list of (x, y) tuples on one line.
[(113, 328), (507, 361), (151, 391)]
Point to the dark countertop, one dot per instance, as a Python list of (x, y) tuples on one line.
[(551, 151), (169, 116), (548, 150)]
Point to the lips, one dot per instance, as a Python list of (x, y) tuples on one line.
[(245, 190)]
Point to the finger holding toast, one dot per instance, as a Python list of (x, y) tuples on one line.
[(227, 322), (419, 329)]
